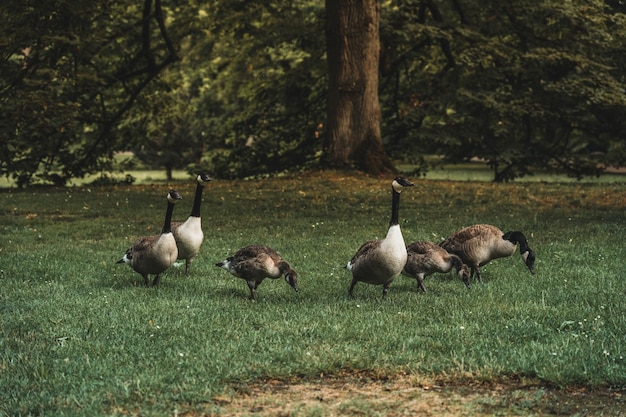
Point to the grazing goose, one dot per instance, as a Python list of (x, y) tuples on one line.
[(189, 235), (379, 262), (426, 258), (254, 263), (478, 244), (154, 254)]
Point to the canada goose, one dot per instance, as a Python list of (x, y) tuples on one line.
[(478, 244), (254, 263), (379, 262), (425, 258), (154, 254), (189, 235)]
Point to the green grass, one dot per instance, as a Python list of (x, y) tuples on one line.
[(80, 335), (141, 177), (480, 171)]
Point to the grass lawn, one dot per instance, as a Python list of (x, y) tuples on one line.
[(80, 335)]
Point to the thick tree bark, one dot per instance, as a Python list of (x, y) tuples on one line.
[(353, 48)]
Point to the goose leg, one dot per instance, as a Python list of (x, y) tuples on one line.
[(252, 285), (386, 288), (352, 284), (145, 280), (476, 270), (420, 283), (480, 278), (156, 280)]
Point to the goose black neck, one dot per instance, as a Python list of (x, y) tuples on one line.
[(517, 237), (395, 207), (195, 209), (523, 245), (167, 224), (283, 267)]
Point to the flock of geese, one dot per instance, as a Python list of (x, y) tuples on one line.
[(376, 262)]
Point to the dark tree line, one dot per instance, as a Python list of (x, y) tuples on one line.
[(246, 88), (71, 73), (520, 84)]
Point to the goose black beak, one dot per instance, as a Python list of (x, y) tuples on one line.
[(529, 260), (292, 280), (405, 182)]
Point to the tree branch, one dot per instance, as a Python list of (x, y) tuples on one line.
[(158, 15), (150, 71), (145, 33)]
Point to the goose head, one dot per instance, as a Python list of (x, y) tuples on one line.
[(400, 182), (291, 277), (528, 255), (173, 197), (529, 259), (127, 258), (462, 270), (203, 178), (464, 274)]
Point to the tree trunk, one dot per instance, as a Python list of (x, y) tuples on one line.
[(352, 36)]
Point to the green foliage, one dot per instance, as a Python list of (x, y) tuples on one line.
[(80, 335), (239, 88), (70, 71), (261, 96), (170, 138), (520, 84)]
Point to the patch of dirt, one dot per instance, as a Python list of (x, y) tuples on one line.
[(402, 395)]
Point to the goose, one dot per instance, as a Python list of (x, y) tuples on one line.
[(154, 254), (379, 262), (254, 263), (425, 258), (188, 234), (478, 244)]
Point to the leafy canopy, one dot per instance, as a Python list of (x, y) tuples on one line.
[(239, 88), (521, 84)]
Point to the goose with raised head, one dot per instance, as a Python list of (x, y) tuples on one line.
[(380, 261), (478, 244), (154, 254), (254, 263), (425, 258), (188, 234)]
